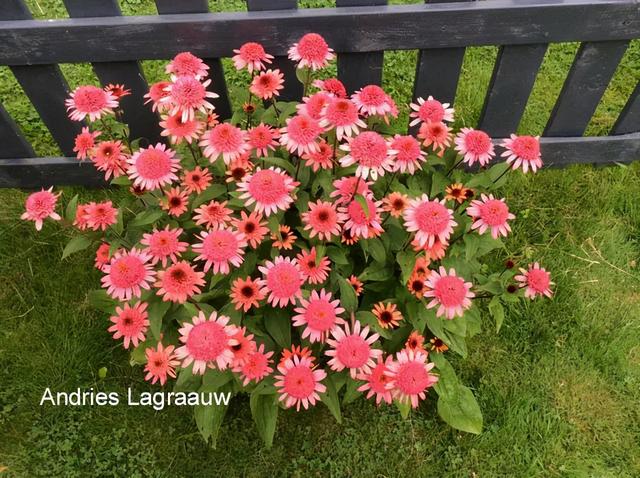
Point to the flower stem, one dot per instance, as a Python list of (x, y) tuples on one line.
[(455, 166)]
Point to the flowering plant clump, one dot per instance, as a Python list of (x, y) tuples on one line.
[(299, 252)]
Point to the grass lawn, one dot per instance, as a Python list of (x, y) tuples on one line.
[(559, 386)]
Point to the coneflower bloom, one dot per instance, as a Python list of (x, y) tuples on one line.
[(371, 100), (164, 245), (252, 226), (224, 140), (430, 220), (41, 205), (356, 284), (296, 351), (109, 157), (117, 90), (262, 138), (178, 130), (421, 267), (458, 192), (267, 84), (450, 293), (207, 343), (361, 223), (156, 93), (299, 383), (313, 105), (410, 376), (219, 248), (395, 203), (407, 155), (212, 214), (377, 383), (522, 151), (490, 213), (319, 315), (387, 314), (536, 281), (269, 189), (348, 187), (436, 135), (161, 363), (434, 252), (179, 282), (417, 284), (100, 215), (301, 134), (102, 255), (153, 167), (239, 168), (474, 146), (244, 347), (246, 293), (342, 114), (437, 345), (255, 367), (430, 111), (311, 51), (175, 202), (351, 348), (251, 56), (333, 86), (187, 64), (415, 341), (314, 270), (321, 220), (131, 323), (196, 180), (186, 95), (85, 143), (320, 159), (284, 238), (127, 273), (282, 281), (370, 152), (90, 101)]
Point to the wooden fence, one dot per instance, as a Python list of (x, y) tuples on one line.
[(359, 30)]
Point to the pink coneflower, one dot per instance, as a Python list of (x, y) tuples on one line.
[(270, 190), (219, 248), (196, 180), (434, 252), (80, 220), (262, 139), (186, 95), (299, 383), (207, 343), (421, 267), (282, 281), (100, 215), (536, 280), (284, 238), (251, 56), (372, 100), (117, 90), (361, 223), (252, 226), (131, 323), (153, 167), (179, 282), (321, 220), (127, 273), (175, 202), (522, 151), (178, 130), (320, 159), (255, 367), (387, 314), (109, 157), (319, 315), (239, 168), (371, 152), (436, 135), (352, 349), (102, 256), (450, 293), (301, 134), (90, 101), (164, 245), (187, 64), (348, 187), (226, 140), (356, 284), (213, 214), (342, 114), (377, 381), (244, 347), (296, 351), (415, 341), (311, 51), (157, 92), (429, 220), (430, 111), (407, 156), (313, 105), (490, 213), (410, 376), (161, 363), (475, 146), (85, 143), (267, 84), (395, 203), (314, 270), (333, 86), (246, 293), (41, 205)]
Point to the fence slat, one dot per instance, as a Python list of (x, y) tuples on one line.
[(513, 77), (45, 86), (45, 172), (588, 78), (14, 145), (216, 72), (629, 119), (356, 70), (141, 120), (292, 87)]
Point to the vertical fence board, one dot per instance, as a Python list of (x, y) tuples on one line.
[(629, 119), (513, 77), (216, 73), (141, 120), (292, 87), (13, 143), (356, 70), (588, 78)]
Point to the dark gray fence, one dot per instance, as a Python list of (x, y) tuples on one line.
[(359, 30)]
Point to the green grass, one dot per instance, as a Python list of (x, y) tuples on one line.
[(559, 386)]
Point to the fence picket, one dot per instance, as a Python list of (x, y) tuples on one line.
[(14, 145), (629, 119)]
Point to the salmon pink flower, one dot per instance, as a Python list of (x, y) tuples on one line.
[(269, 189), (251, 56), (179, 282), (320, 159), (356, 284), (128, 273), (102, 256), (175, 202), (407, 156), (371, 152), (314, 270), (387, 314), (161, 363), (156, 93), (450, 293), (262, 138), (348, 187), (85, 143), (341, 114), (131, 323), (430, 111), (219, 248), (299, 383), (267, 84), (312, 106), (436, 135), (244, 347), (490, 213), (282, 281), (296, 351), (301, 134), (186, 95), (90, 101), (100, 215), (417, 284), (458, 192), (226, 140), (351, 348), (395, 204), (474, 146), (164, 245), (41, 205), (333, 86), (117, 90), (284, 238), (361, 223), (186, 64), (434, 252), (536, 281), (153, 167), (196, 180), (410, 376), (522, 151), (415, 342), (255, 367), (371, 100), (246, 293), (239, 168), (110, 157), (213, 214), (377, 382), (252, 226), (321, 220), (178, 130), (311, 51), (319, 315), (430, 220)]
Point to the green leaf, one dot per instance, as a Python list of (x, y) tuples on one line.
[(438, 183), (187, 381), (146, 217), (447, 384), (461, 410), (376, 249), (278, 324), (209, 194), (209, 418), (214, 379), (100, 300), (404, 408), (351, 393), (264, 410), (360, 199), (72, 208), (337, 255), (78, 243), (157, 311), (375, 272), (102, 373), (282, 163), (348, 297), (497, 311), (121, 181), (407, 261), (330, 398)]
